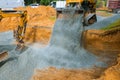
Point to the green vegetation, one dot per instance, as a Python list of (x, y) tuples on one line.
[(42, 2), (101, 3), (46, 2), (28, 2), (113, 25)]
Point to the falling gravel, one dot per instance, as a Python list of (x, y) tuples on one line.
[(6, 41), (63, 51)]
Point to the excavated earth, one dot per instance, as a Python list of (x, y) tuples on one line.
[(40, 21), (105, 44), (101, 43)]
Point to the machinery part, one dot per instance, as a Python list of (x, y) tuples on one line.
[(89, 19), (19, 33), (3, 56), (89, 15), (68, 11), (85, 7)]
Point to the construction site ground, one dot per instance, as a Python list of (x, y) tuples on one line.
[(101, 43)]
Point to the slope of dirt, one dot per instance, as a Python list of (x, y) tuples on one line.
[(112, 73), (66, 74), (97, 42), (40, 23), (38, 34), (41, 16), (107, 45)]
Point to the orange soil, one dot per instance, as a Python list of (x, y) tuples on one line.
[(40, 22), (41, 16), (65, 74), (38, 34), (96, 41), (112, 73), (106, 46)]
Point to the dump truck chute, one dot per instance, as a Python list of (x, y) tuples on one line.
[(85, 7)]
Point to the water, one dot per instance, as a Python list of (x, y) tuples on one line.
[(63, 51)]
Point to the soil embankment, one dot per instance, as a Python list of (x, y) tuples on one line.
[(101, 43), (39, 25), (105, 44)]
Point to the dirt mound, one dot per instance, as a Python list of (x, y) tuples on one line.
[(40, 16), (38, 34), (8, 24), (40, 23), (65, 74), (102, 41), (106, 46), (112, 73)]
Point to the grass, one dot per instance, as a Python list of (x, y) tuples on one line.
[(113, 25)]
